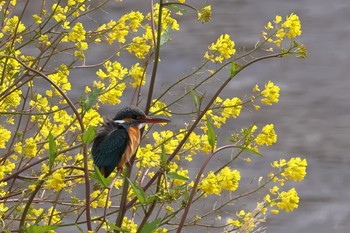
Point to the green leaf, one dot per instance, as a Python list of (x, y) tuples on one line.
[(140, 194), (52, 150), (79, 228), (90, 99), (250, 150), (176, 176), (89, 134), (195, 99), (165, 36), (211, 134), (176, 8), (114, 227), (235, 67), (105, 182), (151, 226), (40, 229)]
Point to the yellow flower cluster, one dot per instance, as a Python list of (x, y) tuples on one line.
[(59, 12), (159, 108), (12, 25), (5, 136), (294, 169), (290, 28), (226, 179), (267, 136), (288, 201), (6, 168), (270, 93), (139, 46), (120, 29), (100, 198), (245, 221), (3, 209), (204, 14), (60, 78), (222, 110), (56, 180), (167, 20), (129, 225), (115, 73), (30, 148), (56, 218), (92, 118), (222, 49), (148, 157), (138, 75)]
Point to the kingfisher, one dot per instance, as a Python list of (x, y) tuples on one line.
[(119, 139)]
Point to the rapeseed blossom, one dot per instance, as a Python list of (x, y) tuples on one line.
[(294, 169), (290, 28), (204, 14), (5, 136), (270, 93), (100, 198), (159, 108), (138, 75), (232, 107), (267, 136), (129, 225), (56, 180), (30, 148), (288, 201), (226, 179), (222, 49)]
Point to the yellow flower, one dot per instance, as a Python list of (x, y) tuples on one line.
[(78, 33), (129, 225), (56, 180), (138, 75), (278, 19), (295, 170), (148, 157), (56, 218), (270, 94), (60, 78), (5, 136), (160, 108), (267, 136), (209, 184), (100, 199), (229, 179), (59, 12), (204, 14), (29, 148), (92, 118), (293, 26), (288, 201), (139, 47), (222, 49), (6, 168), (13, 25), (232, 107), (3, 209)]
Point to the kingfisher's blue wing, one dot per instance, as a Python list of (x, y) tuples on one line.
[(108, 147)]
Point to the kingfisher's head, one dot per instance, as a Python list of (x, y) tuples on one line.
[(135, 116)]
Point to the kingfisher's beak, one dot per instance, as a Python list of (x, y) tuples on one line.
[(153, 120)]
